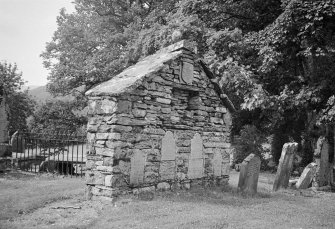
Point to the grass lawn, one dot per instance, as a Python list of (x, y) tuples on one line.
[(46, 202)]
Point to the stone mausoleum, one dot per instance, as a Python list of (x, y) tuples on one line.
[(161, 124)]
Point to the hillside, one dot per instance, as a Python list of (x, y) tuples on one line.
[(41, 95)]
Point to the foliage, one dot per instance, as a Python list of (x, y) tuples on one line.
[(251, 142), (20, 105), (275, 58), (57, 117)]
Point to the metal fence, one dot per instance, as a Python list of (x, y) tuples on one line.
[(61, 153)]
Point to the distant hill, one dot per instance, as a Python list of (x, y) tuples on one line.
[(41, 95)]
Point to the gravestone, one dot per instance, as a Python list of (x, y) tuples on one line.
[(217, 163), (168, 163), (307, 176), (285, 166), (168, 147), (18, 143), (137, 164), (249, 174), (196, 161), (325, 167)]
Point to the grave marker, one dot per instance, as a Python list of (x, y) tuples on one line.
[(137, 164), (249, 174), (307, 176), (18, 143), (217, 163), (196, 161), (168, 147), (325, 167), (285, 166)]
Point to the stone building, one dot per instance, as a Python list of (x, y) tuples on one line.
[(163, 123)]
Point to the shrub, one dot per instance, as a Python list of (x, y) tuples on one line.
[(251, 142)]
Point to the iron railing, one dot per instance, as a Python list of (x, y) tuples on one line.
[(62, 153)]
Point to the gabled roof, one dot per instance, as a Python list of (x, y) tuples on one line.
[(133, 76)]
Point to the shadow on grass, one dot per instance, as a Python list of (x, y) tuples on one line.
[(226, 195)]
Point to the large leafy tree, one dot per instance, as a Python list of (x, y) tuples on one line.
[(57, 117), (98, 41), (275, 58), (21, 106)]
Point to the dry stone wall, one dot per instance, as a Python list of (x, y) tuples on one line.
[(172, 131)]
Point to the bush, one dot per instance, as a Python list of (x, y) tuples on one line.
[(251, 142)]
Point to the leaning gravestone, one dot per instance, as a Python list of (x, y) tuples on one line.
[(249, 174), (18, 143), (307, 176), (285, 166), (325, 167)]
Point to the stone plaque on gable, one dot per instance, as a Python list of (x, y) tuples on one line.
[(137, 164), (196, 147), (217, 163), (307, 176), (249, 173), (187, 72), (168, 147), (285, 166)]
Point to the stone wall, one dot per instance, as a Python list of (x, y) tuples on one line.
[(170, 132)]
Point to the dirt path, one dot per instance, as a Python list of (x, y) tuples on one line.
[(198, 208)]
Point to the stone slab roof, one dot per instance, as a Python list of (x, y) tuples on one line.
[(133, 76)]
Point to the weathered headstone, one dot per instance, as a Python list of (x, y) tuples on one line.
[(196, 161), (306, 176), (285, 166), (18, 143), (249, 174), (168, 147), (137, 164), (217, 163), (325, 166), (168, 164)]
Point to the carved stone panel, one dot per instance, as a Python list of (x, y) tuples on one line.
[(187, 72), (195, 168), (196, 147), (168, 147), (137, 165), (217, 163), (167, 170)]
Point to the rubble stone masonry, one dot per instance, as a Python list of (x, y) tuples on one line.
[(170, 132)]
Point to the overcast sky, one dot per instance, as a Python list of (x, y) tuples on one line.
[(25, 27)]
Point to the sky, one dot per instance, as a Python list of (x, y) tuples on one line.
[(25, 27)]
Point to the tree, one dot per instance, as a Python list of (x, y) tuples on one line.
[(96, 42), (21, 106), (275, 58), (58, 117)]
